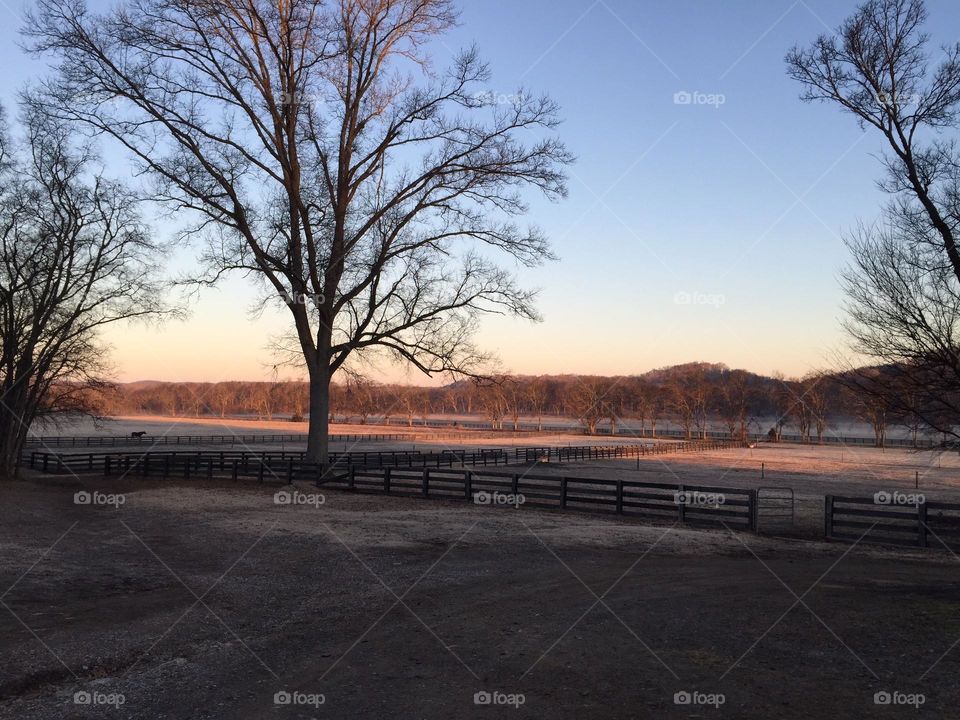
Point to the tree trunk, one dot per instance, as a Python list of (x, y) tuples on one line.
[(318, 430), (15, 419), (10, 445)]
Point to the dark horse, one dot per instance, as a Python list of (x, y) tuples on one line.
[(138, 434)]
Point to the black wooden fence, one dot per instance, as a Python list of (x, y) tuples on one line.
[(606, 452), (901, 518), (280, 465), (59, 441), (692, 504)]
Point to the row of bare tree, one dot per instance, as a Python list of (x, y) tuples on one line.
[(693, 397)]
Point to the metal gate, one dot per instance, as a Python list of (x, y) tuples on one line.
[(775, 508)]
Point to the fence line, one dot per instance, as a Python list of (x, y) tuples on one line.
[(601, 452), (172, 460), (184, 463), (735, 508), (915, 522), (52, 441)]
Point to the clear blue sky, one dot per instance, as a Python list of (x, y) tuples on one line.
[(741, 205)]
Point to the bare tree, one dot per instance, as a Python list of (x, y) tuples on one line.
[(494, 402), (904, 283), (585, 398), (370, 202), (537, 396), (683, 406), (872, 407), (903, 311), (876, 67), (783, 400), (74, 258), (815, 394), (515, 394), (734, 398)]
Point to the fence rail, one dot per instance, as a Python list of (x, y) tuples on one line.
[(601, 452), (52, 441), (282, 465), (691, 504), (919, 524), (181, 462)]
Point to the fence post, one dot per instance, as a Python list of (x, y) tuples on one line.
[(468, 485), (515, 484), (922, 524), (352, 476), (828, 517), (426, 482), (563, 492), (754, 511), (290, 471), (260, 470), (106, 465), (681, 504), (236, 464), (386, 480), (619, 497)]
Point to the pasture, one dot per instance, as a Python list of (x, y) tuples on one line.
[(208, 598)]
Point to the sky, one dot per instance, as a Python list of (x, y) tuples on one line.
[(706, 210)]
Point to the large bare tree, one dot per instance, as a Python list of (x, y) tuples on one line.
[(74, 258), (877, 67), (323, 154), (903, 285)]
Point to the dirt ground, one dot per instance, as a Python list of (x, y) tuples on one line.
[(206, 600)]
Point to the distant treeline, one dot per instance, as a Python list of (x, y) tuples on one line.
[(691, 397)]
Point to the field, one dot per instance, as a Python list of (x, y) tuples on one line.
[(205, 599)]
